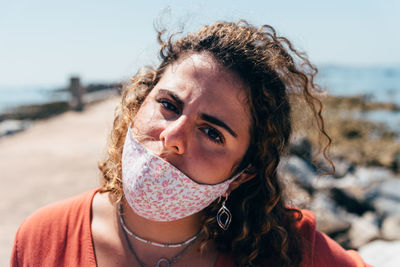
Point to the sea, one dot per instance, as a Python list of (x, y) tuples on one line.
[(15, 96), (381, 84), (376, 83)]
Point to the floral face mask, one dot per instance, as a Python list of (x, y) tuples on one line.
[(158, 191)]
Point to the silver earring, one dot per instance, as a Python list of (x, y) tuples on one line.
[(224, 216)]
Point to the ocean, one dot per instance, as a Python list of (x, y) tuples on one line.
[(380, 84), (11, 97)]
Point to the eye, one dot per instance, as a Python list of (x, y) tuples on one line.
[(168, 105), (213, 135)]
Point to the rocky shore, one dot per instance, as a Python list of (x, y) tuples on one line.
[(359, 204)]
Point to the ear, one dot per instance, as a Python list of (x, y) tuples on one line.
[(247, 175)]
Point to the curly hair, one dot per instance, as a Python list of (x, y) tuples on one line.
[(263, 225)]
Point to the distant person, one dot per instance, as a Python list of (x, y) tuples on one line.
[(191, 174)]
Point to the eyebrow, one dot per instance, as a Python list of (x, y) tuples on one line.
[(174, 96), (216, 121), (209, 118)]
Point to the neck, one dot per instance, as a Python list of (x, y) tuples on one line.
[(162, 232)]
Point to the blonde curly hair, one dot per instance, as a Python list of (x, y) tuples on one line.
[(263, 226)]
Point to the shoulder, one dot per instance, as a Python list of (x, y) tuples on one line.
[(57, 217), (54, 230), (321, 250)]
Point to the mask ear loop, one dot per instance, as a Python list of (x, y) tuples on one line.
[(247, 168), (240, 173)]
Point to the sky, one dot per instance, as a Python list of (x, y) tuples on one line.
[(43, 42)]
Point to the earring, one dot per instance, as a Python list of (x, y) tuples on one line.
[(224, 216)]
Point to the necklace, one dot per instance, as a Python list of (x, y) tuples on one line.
[(161, 260), (163, 245)]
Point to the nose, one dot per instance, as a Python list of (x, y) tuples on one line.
[(175, 135)]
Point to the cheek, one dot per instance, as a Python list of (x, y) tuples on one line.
[(210, 168), (146, 122)]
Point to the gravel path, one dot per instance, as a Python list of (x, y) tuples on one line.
[(54, 159)]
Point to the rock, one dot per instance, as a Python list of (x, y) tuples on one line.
[(386, 206), (348, 200), (297, 196), (301, 147), (363, 230), (385, 197), (391, 227), (9, 127), (342, 167), (360, 182), (330, 219), (395, 164), (389, 189), (372, 175), (353, 187), (300, 171), (381, 253)]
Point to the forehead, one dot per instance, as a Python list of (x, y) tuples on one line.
[(199, 80)]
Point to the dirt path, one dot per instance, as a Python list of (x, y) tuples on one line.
[(54, 159)]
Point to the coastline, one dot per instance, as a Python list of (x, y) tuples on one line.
[(20, 118), (355, 137)]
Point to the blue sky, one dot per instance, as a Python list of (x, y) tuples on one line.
[(43, 42)]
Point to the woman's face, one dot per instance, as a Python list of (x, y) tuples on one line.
[(197, 119)]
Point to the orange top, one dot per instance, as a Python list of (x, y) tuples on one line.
[(60, 235)]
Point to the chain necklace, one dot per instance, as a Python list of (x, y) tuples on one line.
[(161, 260), (163, 245)]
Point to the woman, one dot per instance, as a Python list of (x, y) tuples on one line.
[(191, 173)]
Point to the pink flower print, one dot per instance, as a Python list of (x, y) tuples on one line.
[(165, 183), (159, 197), (169, 192), (146, 171), (172, 198)]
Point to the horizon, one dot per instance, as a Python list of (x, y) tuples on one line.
[(64, 84), (45, 42)]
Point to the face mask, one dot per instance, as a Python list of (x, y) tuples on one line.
[(158, 191)]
